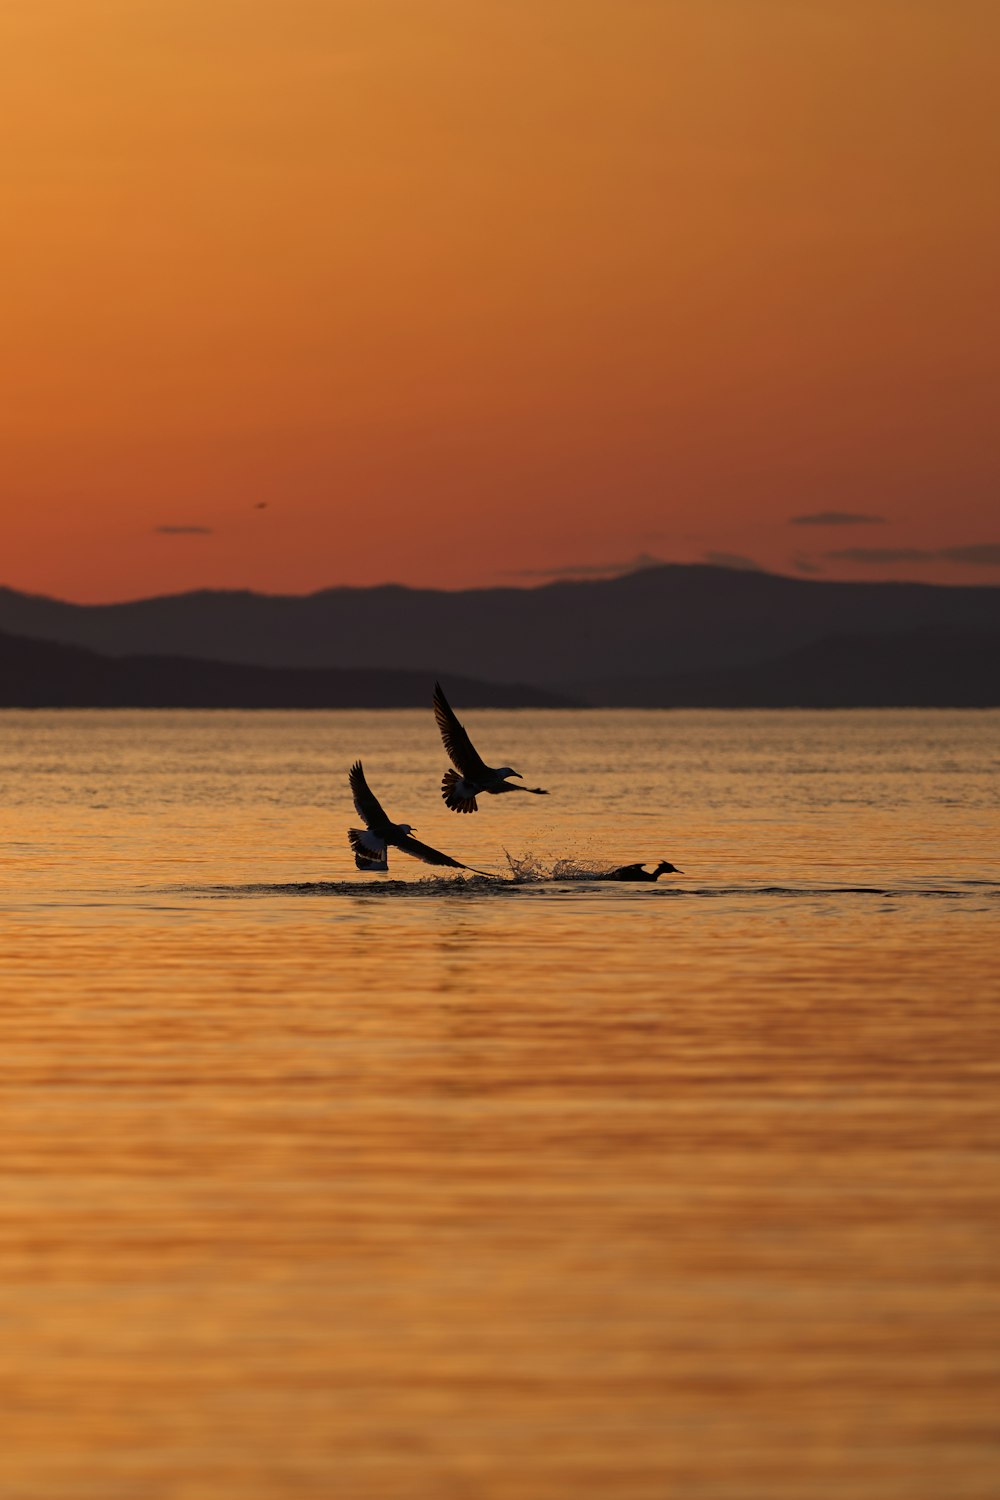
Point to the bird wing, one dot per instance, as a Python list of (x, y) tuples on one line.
[(456, 741), (367, 804), (426, 853)]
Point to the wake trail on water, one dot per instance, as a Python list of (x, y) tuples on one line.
[(522, 870), (529, 870)]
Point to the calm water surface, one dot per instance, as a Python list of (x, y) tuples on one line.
[(321, 1184)]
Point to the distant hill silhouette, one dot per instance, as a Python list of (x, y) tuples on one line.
[(575, 637), (921, 669), (41, 674)]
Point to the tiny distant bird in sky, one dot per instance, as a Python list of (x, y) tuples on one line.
[(371, 844), (261, 505), (472, 776)]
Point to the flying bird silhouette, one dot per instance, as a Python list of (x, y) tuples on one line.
[(472, 776), (371, 844)]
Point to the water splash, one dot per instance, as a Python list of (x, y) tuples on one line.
[(528, 867)]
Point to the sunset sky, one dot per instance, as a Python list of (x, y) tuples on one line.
[(476, 292)]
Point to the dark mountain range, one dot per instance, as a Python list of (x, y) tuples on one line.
[(41, 674), (573, 637), (922, 669)]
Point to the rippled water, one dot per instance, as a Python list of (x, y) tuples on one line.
[(325, 1184)]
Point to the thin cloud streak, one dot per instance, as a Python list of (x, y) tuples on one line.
[(593, 570), (837, 518), (182, 530), (976, 555), (733, 560)]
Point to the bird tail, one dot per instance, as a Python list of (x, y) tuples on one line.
[(370, 853), (455, 791)]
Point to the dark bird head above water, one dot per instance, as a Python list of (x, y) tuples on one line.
[(639, 872)]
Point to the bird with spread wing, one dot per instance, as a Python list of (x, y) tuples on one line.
[(371, 844), (471, 776)]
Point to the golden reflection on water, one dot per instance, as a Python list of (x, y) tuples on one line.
[(551, 1191)]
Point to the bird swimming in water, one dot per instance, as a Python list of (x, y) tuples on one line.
[(472, 776), (639, 872), (371, 844)]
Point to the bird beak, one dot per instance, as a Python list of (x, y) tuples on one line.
[(518, 775)]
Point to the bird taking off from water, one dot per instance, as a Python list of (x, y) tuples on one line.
[(371, 843), (472, 776), (639, 872)]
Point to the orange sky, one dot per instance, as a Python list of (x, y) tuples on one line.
[(466, 292)]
